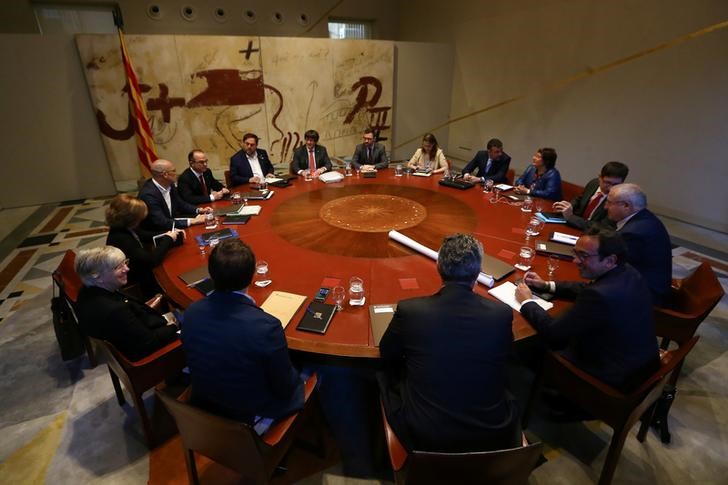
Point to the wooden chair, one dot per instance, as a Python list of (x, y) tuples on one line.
[(569, 190), (68, 283), (506, 467), (620, 411), (510, 176), (141, 375), (231, 443), (228, 179), (692, 300)]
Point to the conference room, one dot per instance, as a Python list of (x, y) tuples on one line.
[(209, 75)]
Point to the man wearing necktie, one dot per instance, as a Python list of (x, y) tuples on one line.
[(197, 185), (369, 156), (588, 210), (491, 163), (311, 156)]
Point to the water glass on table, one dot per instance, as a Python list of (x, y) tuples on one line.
[(339, 295), (356, 291), (488, 186), (552, 264), (262, 274)]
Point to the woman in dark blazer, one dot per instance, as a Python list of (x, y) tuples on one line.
[(123, 216), (135, 329), (541, 179)]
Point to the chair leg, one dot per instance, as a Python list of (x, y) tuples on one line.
[(662, 409), (146, 424), (615, 451), (645, 422), (117, 387), (191, 467), (92, 360)]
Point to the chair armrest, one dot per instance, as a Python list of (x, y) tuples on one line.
[(397, 452), (165, 352), (279, 429), (155, 301)]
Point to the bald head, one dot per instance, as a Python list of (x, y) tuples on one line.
[(163, 172)]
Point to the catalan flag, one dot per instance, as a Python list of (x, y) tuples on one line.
[(138, 111)]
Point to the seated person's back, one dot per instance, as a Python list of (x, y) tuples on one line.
[(237, 353), (453, 348), (132, 327)]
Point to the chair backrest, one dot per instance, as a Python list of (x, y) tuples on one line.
[(228, 179), (699, 293), (512, 466), (510, 176), (228, 442), (66, 278), (569, 190)]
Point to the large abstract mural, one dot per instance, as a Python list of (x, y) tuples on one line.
[(207, 91)]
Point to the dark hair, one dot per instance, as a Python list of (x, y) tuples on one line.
[(191, 155), (548, 156), (459, 258), (430, 138), (312, 134), (368, 131), (610, 243), (251, 135), (494, 142), (231, 265), (615, 169)]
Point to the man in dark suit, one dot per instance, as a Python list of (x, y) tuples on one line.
[(236, 352), (609, 331), (587, 210), (166, 208), (491, 164), (369, 156), (446, 356), (648, 244), (251, 164), (311, 156), (197, 185)]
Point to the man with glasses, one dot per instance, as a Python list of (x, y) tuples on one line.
[(166, 208), (588, 209), (648, 243), (251, 164), (197, 185), (369, 156), (609, 331)]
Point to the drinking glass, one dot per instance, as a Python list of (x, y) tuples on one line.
[(535, 225), (307, 175), (552, 264), (526, 255), (527, 205), (262, 274), (210, 222), (488, 186), (347, 169), (235, 198), (356, 291), (213, 242), (263, 185), (203, 248), (496, 195), (339, 295), (398, 170)]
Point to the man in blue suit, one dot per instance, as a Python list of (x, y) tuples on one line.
[(609, 331), (491, 164), (167, 210), (237, 353), (251, 164), (648, 244)]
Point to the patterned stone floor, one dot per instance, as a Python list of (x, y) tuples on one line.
[(61, 424)]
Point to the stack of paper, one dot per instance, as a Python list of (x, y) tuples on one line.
[(283, 305), (507, 294), (250, 210)]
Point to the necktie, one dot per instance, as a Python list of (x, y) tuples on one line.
[(487, 165), (311, 161), (204, 186), (369, 155), (593, 204)]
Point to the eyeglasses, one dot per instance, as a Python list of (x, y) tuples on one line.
[(582, 255), (202, 161), (124, 263)]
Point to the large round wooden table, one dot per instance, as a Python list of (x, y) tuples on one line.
[(314, 234)]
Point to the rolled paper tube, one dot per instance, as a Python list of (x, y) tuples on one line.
[(483, 278)]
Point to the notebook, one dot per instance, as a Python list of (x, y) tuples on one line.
[(236, 219), (495, 267), (317, 317), (507, 294), (220, 234), (283, 305), (551, 217), (563, 251), (230, 209), (456, 184), (563, 238), (379, 317)]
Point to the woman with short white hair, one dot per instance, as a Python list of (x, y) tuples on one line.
[(135, 329)]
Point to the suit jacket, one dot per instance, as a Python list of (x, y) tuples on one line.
[(135, 329), (142, 260), (159, 219), (240, 171), (548, 186), (453, 347), (418, 160), (649, 250), (579, 204), (379, 156), (609, 329), (498, 168), (300, 158), (238, 359), (190, 188)]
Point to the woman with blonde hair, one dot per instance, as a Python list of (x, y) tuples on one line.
[(123, 216)]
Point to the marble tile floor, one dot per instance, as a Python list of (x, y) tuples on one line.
[(61, 423)]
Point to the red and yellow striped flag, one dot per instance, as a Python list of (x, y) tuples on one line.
[(143, 134)]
